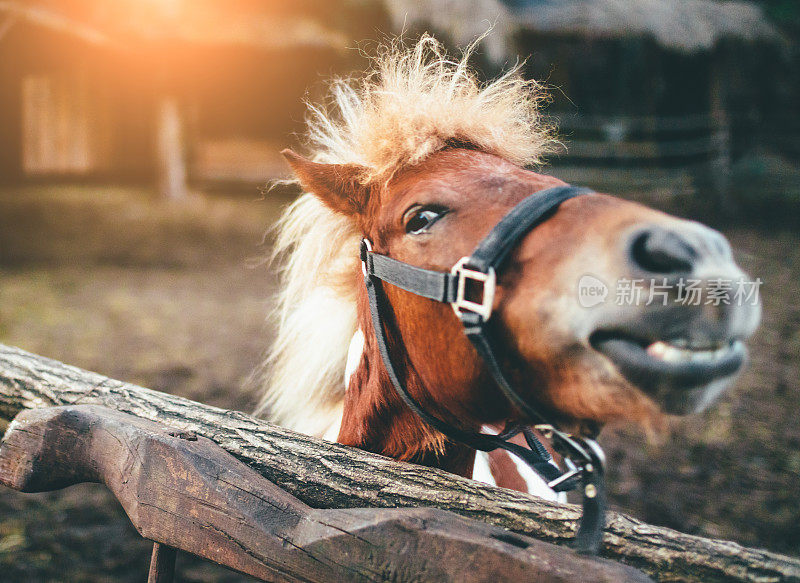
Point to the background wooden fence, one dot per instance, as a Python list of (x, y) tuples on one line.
[(642, 141), (728, 161)]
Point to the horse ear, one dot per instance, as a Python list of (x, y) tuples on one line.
[(336, 185)]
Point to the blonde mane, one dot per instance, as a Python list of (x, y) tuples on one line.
[(414, 102)]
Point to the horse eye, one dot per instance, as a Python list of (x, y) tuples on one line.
[(422, 219)]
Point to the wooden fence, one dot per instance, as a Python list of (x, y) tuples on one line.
[(314, 474), (679, 154), (644, 153), (642, 141)]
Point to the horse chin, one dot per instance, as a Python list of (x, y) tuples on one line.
[(695, 400), (681, 377)]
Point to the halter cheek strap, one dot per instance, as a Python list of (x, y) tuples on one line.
[(583, 457)]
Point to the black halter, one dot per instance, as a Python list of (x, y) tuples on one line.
[(582, 456)]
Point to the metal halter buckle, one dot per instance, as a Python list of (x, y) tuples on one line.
[(489, 282)]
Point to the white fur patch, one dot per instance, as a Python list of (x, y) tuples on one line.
[(536, 484), (481, 471), (354, 354), (332, 432)]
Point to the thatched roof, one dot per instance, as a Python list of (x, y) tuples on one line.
[(683, 25), (131, 23)]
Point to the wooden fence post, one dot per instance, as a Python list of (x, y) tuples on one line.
[(721, 163), (171, 149)]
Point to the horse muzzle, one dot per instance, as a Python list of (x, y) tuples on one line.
[(680, 337)]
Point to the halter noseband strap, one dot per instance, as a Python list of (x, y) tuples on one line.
[(480, 268)]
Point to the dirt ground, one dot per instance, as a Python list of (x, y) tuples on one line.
[(174, 297)]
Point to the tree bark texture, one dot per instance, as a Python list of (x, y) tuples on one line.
[(328, 475)]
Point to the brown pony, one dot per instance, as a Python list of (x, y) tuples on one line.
[(423, 160)]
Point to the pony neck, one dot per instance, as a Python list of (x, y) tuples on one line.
[(377, 420)]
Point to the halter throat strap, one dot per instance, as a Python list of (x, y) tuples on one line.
[(479, 269)]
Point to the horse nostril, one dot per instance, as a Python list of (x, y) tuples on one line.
[(660, 250)]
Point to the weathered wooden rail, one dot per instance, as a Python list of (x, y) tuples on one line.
[(184, 492), (329, 476)]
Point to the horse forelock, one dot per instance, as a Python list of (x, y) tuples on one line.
[(415, 101)]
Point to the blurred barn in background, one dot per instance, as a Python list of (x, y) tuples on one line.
[(646, 93), (668, 96), (202, 91)]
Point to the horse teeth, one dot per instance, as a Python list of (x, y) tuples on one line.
[(666, 352), (656, 349), (672, 352)]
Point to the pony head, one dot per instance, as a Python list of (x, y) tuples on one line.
[(423, 160)]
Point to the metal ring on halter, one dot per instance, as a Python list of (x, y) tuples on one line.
[(366, 249)]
